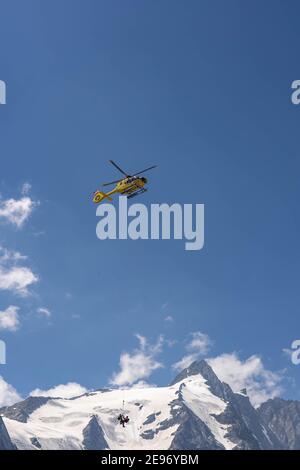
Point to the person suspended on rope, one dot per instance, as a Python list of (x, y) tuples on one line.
[(123, 419)]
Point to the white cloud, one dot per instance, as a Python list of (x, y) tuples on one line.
[(26, 188), (8, 394), (184, 362), (17, 211), (251, 374), (43, 311), (198, 345), (69, 390), (17, 279), (9, 318), (169, 319), (9, 256), (139, 364), (14, 277)]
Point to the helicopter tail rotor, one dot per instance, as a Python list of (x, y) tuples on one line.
[(99, 196)]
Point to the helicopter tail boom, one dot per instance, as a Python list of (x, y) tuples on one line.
[(99, 196)]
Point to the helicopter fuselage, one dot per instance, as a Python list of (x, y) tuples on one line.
[(132, 185), (127, 186)]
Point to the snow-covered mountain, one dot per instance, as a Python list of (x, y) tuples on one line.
[(197, 411)]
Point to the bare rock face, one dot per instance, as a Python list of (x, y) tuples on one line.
[(93, 436), (22, 410), (282, 417), (5, 442)]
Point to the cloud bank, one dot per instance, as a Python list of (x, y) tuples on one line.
[(197, 345), (14, 276), (261, 383), (9, 318), (69, 390), (8, 394), (17, 211), (139, 364)]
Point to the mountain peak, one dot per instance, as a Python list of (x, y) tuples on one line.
[(196, 368), (202, 368)]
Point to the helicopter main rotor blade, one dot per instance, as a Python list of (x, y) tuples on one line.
[(118, 168), (112, 182), (147, 169)]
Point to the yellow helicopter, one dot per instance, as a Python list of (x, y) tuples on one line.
[(130, 186)]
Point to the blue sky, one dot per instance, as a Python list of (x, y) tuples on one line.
[(202, 89)]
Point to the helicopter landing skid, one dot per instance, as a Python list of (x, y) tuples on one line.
[(140, 191)]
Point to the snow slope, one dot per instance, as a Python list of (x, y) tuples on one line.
[(196, 411), (60, 422)]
